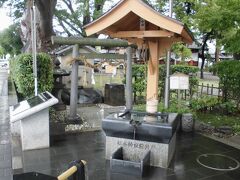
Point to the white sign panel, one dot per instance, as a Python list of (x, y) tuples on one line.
[(174, 82), (179, 81)]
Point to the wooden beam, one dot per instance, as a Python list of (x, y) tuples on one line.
[(136, 41), (90, 41), (141, 34)]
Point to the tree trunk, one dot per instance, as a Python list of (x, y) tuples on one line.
[(205, 38), (46, 11), (44, 25), (217, 53)]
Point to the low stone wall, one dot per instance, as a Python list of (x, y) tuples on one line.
[(160, 153)]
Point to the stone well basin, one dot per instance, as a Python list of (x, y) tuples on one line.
[(158, 127)]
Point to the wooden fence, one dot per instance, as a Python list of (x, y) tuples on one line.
[(202, 90), (209, 90)]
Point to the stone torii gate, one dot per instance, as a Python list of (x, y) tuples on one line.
[(138, 23), (73, 116)]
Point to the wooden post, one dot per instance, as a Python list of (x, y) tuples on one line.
[(153, 71), (74, 87), (212, 90), (207, 89), (202, 89)]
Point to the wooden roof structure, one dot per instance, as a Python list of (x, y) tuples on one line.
[(124, 21), (140, 24)]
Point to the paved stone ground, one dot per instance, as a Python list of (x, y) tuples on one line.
[(209, 76), (5, 135), (90, 146)]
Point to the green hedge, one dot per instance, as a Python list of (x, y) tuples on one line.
[(22, 73)]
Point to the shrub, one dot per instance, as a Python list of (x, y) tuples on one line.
[(229, 74), (22, 73), (228, 107), (139, 80), (204, 103)]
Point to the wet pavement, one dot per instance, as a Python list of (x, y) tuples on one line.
[(5, 135), (90, 146)]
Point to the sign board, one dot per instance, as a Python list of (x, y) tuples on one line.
[(179, 81), (32, 105)]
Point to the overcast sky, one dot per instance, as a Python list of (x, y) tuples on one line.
[(5, 20)]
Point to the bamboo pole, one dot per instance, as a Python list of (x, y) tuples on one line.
[(67, 173), (90, 42)]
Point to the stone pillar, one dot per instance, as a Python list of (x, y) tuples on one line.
[(129, 96), (73, 116), (167, 80)]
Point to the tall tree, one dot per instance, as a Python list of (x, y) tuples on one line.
[(20, 10), (72, 15), (44, 23)]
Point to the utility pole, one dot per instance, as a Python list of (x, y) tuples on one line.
[(166, 94), (34, 46)]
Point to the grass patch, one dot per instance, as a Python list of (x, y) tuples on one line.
[(217, 120)]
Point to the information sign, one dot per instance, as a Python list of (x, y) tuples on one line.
[(179, 81)]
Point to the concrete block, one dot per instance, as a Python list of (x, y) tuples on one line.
[(35, 130), (161, 153)]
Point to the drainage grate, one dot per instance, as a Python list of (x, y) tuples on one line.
[(218, 162)]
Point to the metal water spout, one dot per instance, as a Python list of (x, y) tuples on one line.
[(135, 124)]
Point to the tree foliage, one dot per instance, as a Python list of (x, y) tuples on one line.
[(71, 15), (222, 18), (208, 19), (229, 74), (181, 51), (10, 41)]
